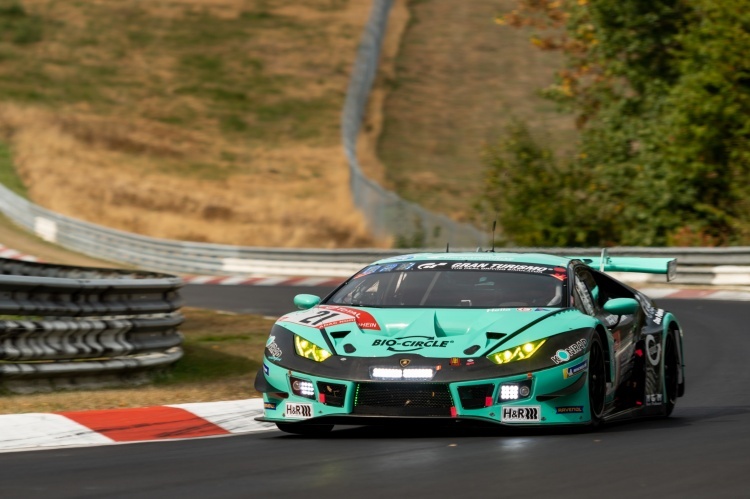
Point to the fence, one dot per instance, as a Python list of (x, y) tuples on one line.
[(386, 212), (69, 325)]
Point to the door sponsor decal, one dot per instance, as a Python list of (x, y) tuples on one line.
[(530, 414), (653, 350), (299, 411)]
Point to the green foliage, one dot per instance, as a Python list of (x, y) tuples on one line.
[(661, 89), (537, 199)]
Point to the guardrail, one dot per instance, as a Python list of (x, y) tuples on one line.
[(64, 326), (386, 212), (695, 266)]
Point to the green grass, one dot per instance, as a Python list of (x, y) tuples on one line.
[(8, 176), (218, 345), (201, 364)]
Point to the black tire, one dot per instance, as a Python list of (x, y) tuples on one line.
[(597, 381), (305, 429), (671, 375)]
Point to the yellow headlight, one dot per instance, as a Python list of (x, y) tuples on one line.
[(520, 352), (310, 350)]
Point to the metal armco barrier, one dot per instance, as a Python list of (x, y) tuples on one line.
[(387, 213), (695, 266), (65, 325)]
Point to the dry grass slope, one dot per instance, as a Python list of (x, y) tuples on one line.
[(459, 78), (202, 120)]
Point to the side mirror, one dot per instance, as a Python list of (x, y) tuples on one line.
[(303, 302), (621, 306)]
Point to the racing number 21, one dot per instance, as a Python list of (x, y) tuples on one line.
[(319, 317)]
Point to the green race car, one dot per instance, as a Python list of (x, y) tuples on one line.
[(505, 338)]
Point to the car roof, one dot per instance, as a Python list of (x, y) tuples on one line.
[(488, 256)]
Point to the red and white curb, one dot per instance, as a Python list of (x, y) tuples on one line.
[(169, 422), (12, 254)]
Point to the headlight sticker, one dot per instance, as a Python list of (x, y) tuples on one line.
[(565, 354)]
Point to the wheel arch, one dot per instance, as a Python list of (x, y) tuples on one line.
[(672, 327), (608, 351)]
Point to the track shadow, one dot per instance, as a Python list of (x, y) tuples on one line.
[(682, 418)]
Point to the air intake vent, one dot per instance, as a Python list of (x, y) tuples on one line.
[(402, 399), (475, 396), (495, 336), (332, 394)]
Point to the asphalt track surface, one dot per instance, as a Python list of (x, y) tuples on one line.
[(703, 450)]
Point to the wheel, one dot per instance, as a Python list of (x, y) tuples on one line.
[(305, 429), (671, 374), (597, 381)]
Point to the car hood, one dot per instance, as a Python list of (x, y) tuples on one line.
[(428, 332)]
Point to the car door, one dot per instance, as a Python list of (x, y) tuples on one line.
[(591, 290)]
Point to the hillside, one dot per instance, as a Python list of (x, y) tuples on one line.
[(459, 79), (203, 120), (218, 120)]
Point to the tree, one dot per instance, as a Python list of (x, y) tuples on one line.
[(660, 93)]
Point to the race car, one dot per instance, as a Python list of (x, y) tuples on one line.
[(517, 339)]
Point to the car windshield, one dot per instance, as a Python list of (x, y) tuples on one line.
[(454, 284)]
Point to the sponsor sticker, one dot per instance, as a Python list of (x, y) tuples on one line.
[(654, 399), (569, 372), (527, 414), (455, 361), (297, 410), (653, 350), (269, 405), (565, 354), (331, 315), (571, 409), (658, 316), (387, 267), (273, 349), (430, 265), (411, 343), (265, 368), (507, 267)]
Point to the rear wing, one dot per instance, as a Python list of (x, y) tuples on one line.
[(607, 263)]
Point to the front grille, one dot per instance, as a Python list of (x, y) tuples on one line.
[(475, 396), (334, 393), (402, 399)]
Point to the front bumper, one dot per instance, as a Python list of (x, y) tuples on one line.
[(557, 395)]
